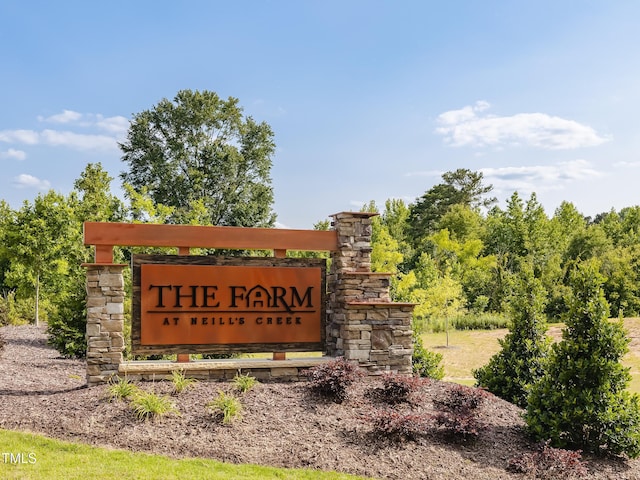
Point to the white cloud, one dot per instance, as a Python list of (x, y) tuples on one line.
[(627, 164), (539, 177), (465, 127), (78, 141), (28, 137), (13, 153), (117, 125), (67, 116), (25, 180)]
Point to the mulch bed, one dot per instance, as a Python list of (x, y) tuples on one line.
[(283, 425)]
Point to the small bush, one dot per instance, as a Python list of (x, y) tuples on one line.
[(148, 405), (425, 362), (2, 342), (68, 323), (461, 399), (20, 311), (180, 382), (460, 426), (121, 388), (244, 383), (549, 463), (399, 388), (458, 419), (399, 427), (331, 379), (226, 406)]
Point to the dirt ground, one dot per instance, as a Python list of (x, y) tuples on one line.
[(283, 424)]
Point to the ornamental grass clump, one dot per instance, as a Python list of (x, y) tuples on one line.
[(148, 405), (121, 389), (244, 383), (180, 382), (228, 407), (331, 379)]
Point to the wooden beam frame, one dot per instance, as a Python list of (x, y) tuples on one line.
[(106, 235)]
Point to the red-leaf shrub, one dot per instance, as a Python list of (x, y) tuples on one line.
[(549, 463), (399, 388), (331, 379), (399, 427)]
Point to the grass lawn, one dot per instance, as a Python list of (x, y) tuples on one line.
[(470, 349), (41, 457)]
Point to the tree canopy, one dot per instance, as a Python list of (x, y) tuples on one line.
[(198, 150)]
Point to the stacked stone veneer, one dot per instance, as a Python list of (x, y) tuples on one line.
[(363, 324), (105, 321)]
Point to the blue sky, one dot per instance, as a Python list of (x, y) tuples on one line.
[(369, 100)]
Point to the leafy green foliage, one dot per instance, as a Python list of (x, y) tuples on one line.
[(67, 325), (521, 360), (226, 406), (198, 153), (331, 379), (581, 401), (244, 383), (425, 362), (149, 405)]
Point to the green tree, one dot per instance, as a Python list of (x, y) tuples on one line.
[(36, 240), (520, 362), (582, 401), (462, 186), (200, 148)]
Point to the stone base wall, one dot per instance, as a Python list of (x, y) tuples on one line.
[(290, 370), (105, 321)]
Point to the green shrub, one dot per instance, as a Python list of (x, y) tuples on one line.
[(68, 323), (581, 401), (467, 321), (520, 363), (20, 311), (425, 362), (148, 405), (244, 383), (180, 382), (226, 406), (331, 379)]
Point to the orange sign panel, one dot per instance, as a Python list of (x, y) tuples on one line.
[(195, 304)]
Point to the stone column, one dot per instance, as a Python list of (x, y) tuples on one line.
[(105, 321), (363, 324)]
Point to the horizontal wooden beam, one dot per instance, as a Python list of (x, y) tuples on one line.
[(105, 235)]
